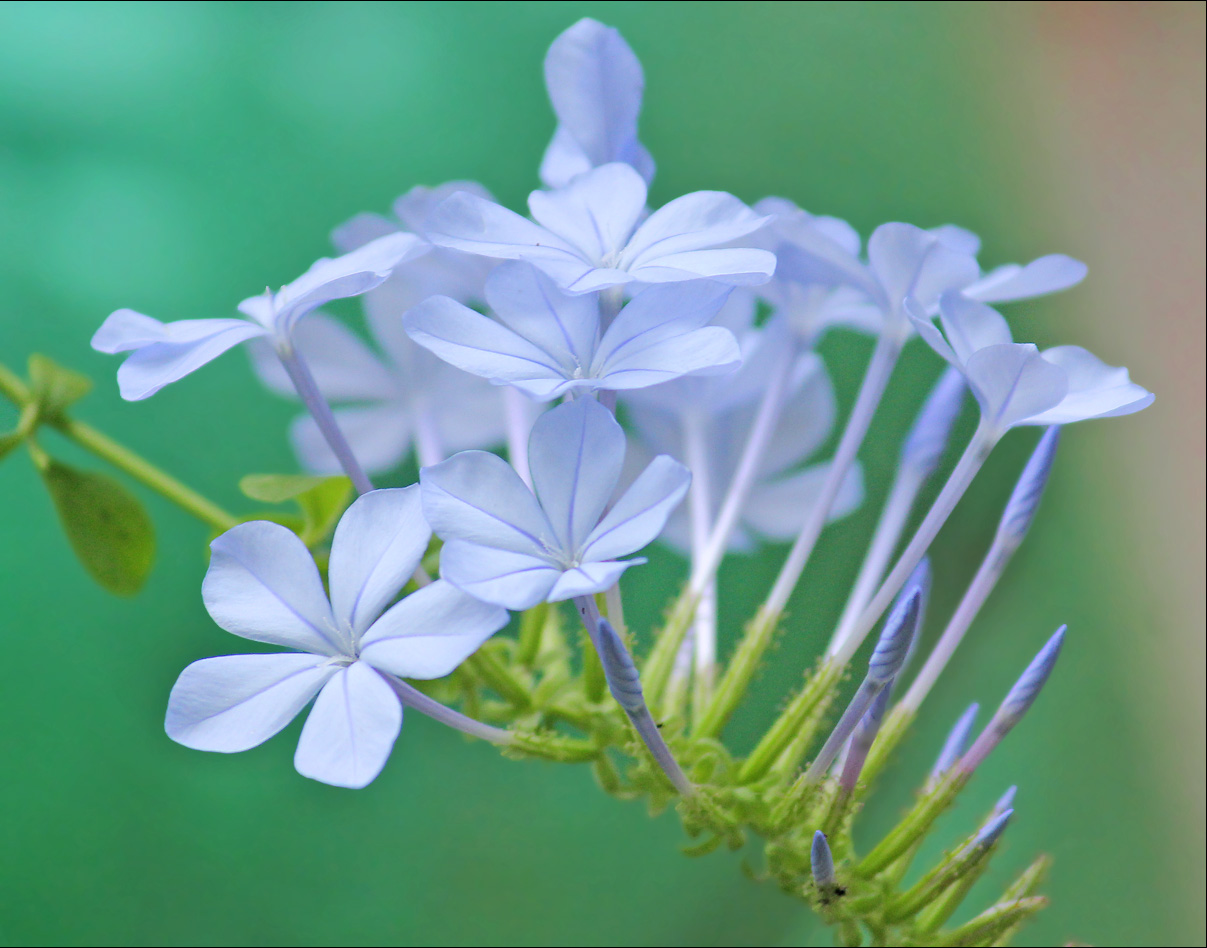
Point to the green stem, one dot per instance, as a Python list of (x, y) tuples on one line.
[(486, 665), (815, 695), (915, 823), (738, 674), (124, 459)]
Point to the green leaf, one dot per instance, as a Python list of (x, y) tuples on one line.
[(107, 526), (278, 488), (322, 506), (54, 387), (321, 499)]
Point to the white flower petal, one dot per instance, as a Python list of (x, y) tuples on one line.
[(708, 351), (1096, 390), (911, 262), (151, 367), (529, 303), (378, 543), (351, 729), (590, 578), (478, 497), (640, 513), (970, 326), (503, 577), (468, 223), (596, 212), (696, 221), (235, 702), (477, 344), (595, 84), (262, 584), (349, 275), (575, 454), (1013, 383), (430, 632), (1044, 275)]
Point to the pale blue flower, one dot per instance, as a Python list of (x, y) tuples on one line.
[(595, 84), (508, 545), (263, 585), (719, 411), (593, 233), (821, 280), (548, 344), (1015, 383), (165, 352)]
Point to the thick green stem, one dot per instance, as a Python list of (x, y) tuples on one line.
[(915, 823), (738, 674), (124, 459), (812, 698)]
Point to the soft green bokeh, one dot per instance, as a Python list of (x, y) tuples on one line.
[(176, 158)]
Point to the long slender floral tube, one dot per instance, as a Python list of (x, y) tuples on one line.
[(862, 739), (920, 455), (821, 862), (871, 390), (1017, 703), (412, 697), (886, 661), (765, 420), (954, 747), (320, 411), (957, 483), (1016, 521), (625, 685), (703, 633)]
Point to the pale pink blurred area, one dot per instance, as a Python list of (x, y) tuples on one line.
[(1115, 91)]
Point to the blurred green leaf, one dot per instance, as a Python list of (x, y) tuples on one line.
[(321, 499), (54, 387), (108, 527), (278, 488)]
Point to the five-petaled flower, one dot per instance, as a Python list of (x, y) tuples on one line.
[(547, 343), (166, 352), (263, 585), (1015, 383), (590, 235), (507, 545)]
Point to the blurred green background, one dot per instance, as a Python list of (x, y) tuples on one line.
[(177, 157)]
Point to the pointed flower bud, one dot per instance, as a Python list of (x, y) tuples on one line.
[(893, 647), (927, 439), (822, 861), (1017, 702), (619, 669), (862, 740), (1024, 501), (955, 745), (991, 832), (1005, 802)]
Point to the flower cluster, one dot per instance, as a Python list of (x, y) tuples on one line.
[(696, 324)]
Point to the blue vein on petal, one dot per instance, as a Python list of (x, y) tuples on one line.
[(536, 541), (319, 632)]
